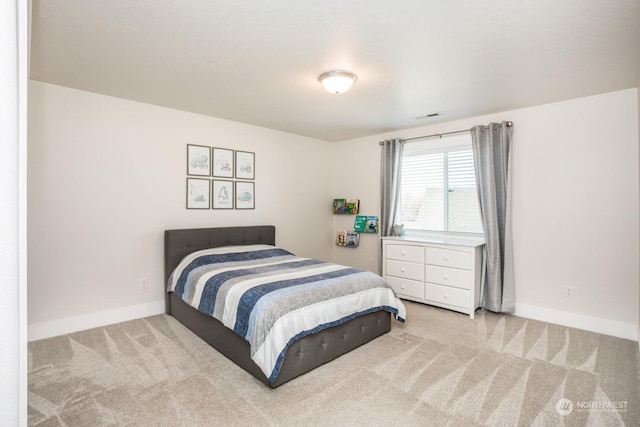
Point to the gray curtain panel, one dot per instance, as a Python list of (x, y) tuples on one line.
[(391, 163), (492, 158)]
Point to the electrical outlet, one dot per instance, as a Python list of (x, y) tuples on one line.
[(568, 291), (371, 262), (144, 283)]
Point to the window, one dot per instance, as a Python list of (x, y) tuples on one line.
[(438, 186)]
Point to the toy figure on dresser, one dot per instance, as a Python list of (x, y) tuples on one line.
[(398, 230)]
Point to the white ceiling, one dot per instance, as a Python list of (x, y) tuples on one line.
[(257, 62)]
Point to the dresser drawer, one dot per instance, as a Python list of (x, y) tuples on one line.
[(405, 270), (448, 258), (448, 276), (404, 287), (447, 295), (406, 253)]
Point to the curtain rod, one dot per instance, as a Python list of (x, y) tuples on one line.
[(440, 135)]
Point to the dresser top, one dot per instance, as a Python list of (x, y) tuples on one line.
[(471, 241)]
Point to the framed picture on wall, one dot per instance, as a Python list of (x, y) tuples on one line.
[(198, 191), (245, 165), (245, 195), (198, 160), (222, 195), (222, 162)]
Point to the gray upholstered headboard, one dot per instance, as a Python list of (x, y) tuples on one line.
[(180, 243)]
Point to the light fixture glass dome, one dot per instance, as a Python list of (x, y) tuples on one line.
[(337, 81)]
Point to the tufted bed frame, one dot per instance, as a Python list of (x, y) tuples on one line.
[(304, 354)]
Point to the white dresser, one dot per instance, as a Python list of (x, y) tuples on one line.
[(442, 271)]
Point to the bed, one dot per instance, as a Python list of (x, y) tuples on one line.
[(302, 353)]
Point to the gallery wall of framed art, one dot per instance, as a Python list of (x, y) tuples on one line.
[(220, 178)]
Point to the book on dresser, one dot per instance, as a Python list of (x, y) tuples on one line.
[(440, 271)]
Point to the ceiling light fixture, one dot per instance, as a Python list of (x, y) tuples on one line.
[(337, 81)]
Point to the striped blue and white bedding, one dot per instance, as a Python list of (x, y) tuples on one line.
[(271, 297)]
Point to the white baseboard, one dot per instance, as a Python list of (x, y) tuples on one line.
[(94, 320), (68, 325), (579, 321)]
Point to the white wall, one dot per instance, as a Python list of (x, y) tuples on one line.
[(107, 176), (575, 207), (356, 175), (13, 95)]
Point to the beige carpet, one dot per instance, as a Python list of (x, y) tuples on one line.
[(440, 368)]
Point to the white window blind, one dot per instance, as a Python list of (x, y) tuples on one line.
[(438, 186)]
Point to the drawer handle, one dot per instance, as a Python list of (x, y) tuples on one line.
[(402, 287), (403, 253), (446, 258), (446, 296), (402, 269), (446, 277)]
